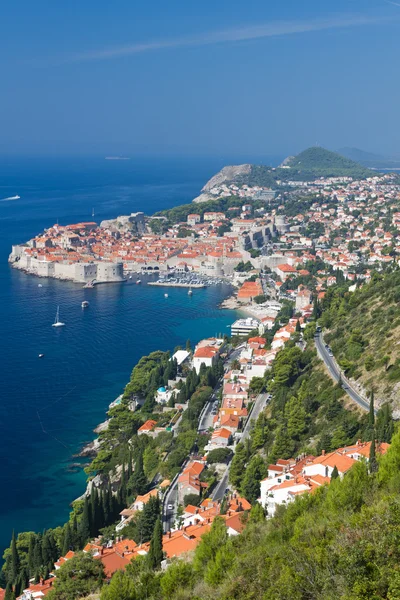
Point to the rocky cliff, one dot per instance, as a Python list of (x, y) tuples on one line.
[(226, 174)]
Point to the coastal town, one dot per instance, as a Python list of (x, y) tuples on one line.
[(282, 251)]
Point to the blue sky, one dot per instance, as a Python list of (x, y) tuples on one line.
[(217, 77)]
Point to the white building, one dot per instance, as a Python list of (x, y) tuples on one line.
[(245, 326)]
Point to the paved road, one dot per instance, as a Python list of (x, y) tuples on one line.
[(259, 404), (336, 373)]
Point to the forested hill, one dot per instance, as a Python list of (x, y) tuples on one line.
[(319, 162), (306, 166), (363, 329)]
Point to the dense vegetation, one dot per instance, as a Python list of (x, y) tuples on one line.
[(318, 162), (306, 166), (125, 467), (364, 331), (341, 542), (306, 414)]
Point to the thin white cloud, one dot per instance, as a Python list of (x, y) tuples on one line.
[(266, 30), (392, 3)]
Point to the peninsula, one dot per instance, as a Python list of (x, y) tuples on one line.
[(242, 213)]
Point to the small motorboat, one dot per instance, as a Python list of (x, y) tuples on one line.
[(41, 355), (85, 304), (138, 281), (165, 295), (130, 276), (40, 285)]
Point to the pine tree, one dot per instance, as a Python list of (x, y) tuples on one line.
[(139, 481), (298, 326), (96, 511), (75, 533), (85, 523), (9, 595), (335, 473), (31, 553), (155, 555), (384, 424), (224, 506), (37, 556), (188, 346), (371, 417), (18, 587), (373, 463), (255, 471), (236, 471), (67, 541), (15, 562), (46, 548)]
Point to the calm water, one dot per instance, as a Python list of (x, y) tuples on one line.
[(49, 407)]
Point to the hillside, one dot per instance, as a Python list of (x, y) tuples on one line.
[(369, 159), (306, 166), (364, 333), (320, 162)]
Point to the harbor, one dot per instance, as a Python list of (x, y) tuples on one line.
[(179, 284)]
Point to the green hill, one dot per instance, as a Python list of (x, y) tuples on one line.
[(364, 333), (319, 162), (306, 166)]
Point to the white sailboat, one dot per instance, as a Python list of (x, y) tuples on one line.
[(92, 212), (57, 322)]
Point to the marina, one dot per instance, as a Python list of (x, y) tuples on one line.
[(172, 283)]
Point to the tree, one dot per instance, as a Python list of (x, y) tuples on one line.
[(15, 562), (296, 418), (373, 463), (335, 473), (85, 523), (139, 481), (218, 455), (192, 499), (257, 514), (9, 595), (210, 544), (255, 471), (188, 346), (236, 471), (67, 542), (179, 516), (179, 576), (79, 576), (155, 555), (384, 424), (283, 446), (121, 587), (147, 519)]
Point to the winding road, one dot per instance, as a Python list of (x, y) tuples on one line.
[(336, 372)]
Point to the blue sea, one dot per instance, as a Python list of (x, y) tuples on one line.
[(49, 406)]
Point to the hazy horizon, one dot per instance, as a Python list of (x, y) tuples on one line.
[(231, 79)]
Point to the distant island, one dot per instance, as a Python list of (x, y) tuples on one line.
[(117, 158)]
